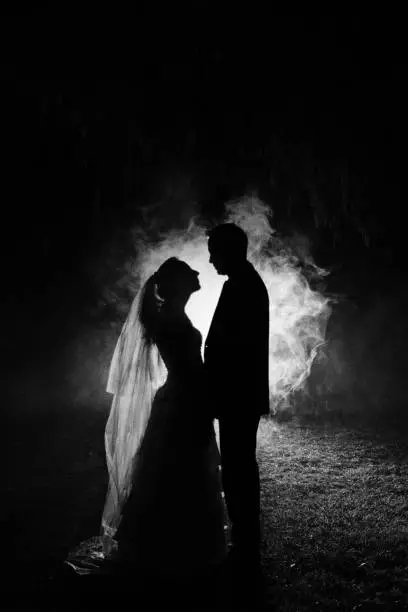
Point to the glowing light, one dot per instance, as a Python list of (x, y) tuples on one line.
[(298, 315)]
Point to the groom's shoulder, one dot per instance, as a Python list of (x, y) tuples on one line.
[(257, 289), (254, 276)]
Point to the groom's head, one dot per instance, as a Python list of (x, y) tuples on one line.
[(227, 246)]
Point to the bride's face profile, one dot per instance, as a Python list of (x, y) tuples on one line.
[(178, 281), (188, 282)]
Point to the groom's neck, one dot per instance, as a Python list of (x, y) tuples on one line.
[(238, 269)]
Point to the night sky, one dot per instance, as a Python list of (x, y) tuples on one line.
[(100, 111)]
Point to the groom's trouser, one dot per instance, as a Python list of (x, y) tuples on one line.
[(240, 478)]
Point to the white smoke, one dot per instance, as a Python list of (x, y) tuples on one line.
[(298, 314)]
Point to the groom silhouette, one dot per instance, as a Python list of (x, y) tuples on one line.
[(236, 357)]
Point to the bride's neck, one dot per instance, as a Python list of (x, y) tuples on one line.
[(174, 308)]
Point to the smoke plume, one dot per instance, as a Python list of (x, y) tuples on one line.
[(298, 314)]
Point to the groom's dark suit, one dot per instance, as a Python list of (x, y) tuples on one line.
[(236, 360)]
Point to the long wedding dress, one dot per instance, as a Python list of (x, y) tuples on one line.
[(174, 516), (164, 508)]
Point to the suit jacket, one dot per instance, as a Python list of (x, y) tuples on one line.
[(236, 352)]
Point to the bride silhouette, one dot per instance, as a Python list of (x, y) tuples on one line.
[(164, 509)]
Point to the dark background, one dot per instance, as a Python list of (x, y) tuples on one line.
[(101, 112), (105, 112)]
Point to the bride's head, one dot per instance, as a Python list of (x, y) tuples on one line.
[(176, 281), (170, 287)]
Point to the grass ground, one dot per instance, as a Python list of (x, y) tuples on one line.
[(334, 500), (335, 510)]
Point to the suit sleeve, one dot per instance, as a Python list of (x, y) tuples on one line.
[(237, 358)]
